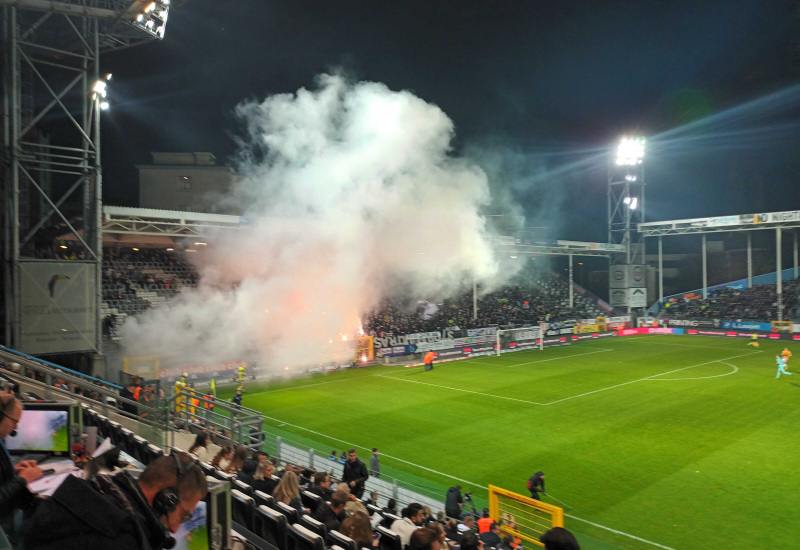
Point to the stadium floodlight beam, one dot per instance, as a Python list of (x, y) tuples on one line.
[(630, 151)]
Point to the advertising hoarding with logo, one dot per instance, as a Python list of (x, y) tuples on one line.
[(58, 306)]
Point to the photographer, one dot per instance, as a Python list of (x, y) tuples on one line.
[(454, 502)]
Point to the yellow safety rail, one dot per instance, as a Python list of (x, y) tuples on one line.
[(521, 516)]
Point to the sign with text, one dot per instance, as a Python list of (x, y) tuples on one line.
[(58, 300)]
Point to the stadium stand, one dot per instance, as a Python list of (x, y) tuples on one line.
[(759, 303)]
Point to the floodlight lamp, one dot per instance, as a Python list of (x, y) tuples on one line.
[(104, 105), (630, 151), (100, 88), (108, 76), (630, 178), (150, 7)]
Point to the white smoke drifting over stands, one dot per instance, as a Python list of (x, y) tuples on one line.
[(348, 187)]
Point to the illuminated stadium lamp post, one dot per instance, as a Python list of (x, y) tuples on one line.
[(626, 187)]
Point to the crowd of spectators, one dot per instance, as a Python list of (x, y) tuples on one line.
[(520, 303), (339, 507), (759, 303)]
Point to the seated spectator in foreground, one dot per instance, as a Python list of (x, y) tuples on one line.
[(508, 543), (331, 514), (262, 479), (412, 517), (222, 458), (353, 504), (321, 485), (247, 472), (288, 492), (470, 541), (200, 447), (424, 539), (467, 524), (358, 528), (373, 499), (118, 511), (391, 507), (451, 529), (559, 538), (237, 461), (492, 536)]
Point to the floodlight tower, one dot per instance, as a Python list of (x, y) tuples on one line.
[(53, 94), (626, 209)]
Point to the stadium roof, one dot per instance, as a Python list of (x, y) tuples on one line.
[(721, 224)]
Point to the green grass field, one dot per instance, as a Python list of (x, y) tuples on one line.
[(680, 442)]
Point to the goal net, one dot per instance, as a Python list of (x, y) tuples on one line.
[(518, 339), (781, 326)]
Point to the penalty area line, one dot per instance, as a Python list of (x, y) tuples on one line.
[(623, 533), (458, 389), (604, 350), (648, 378)]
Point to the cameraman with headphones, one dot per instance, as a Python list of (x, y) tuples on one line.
[(118, 511), (14, 479)]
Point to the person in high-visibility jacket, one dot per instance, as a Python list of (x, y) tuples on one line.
[(195, 401), (429, 357), (180, 400), (242, 375)]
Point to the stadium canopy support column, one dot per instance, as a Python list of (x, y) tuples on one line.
[(795, 254), (570, 283), (749, 260), (705, 269), (778, 271), (474, 298), (660, 270)]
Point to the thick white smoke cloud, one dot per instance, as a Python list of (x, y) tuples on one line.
[(348, 187)]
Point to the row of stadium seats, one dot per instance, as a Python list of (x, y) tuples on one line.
[(123, 438), (281, 526)]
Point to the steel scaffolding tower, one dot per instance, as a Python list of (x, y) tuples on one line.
[(52, 182), (626, 210)]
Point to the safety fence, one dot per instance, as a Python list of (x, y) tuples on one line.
[(523, 517)]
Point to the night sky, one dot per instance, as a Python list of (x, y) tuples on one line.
[(541, 88)]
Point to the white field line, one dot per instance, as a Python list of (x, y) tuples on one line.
[(648, 378), (458, 389), (642, 338), (603, 350), (734, 371), (634, 537), (480, 485), (298, 387)]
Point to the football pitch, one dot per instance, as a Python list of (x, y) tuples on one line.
[(669, 442)]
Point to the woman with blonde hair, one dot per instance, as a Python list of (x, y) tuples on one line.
[(288, 492), (263, 481)]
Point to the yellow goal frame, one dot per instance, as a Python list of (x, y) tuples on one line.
[(523, 517)]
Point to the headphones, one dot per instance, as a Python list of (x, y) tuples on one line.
[(6, 403), (167, 499)]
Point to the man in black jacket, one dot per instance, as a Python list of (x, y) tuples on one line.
[(491, 538), (536, 485), (454, 502), (14, 479), (331, 514), (120, 512), (355, 474)]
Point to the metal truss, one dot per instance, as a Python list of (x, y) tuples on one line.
[(52, 178), (722, 224), (167, 223)]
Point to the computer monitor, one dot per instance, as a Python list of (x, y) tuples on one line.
[(209, 528), (43, 429)]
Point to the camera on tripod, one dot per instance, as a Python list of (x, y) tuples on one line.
[(468, 495)]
